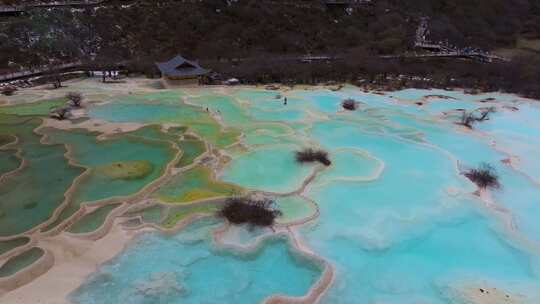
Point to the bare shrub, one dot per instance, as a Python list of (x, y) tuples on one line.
[(75, 98), (309, 155), (259, 213), (60, 113), (349, 104), (468, 119), (484, 176)]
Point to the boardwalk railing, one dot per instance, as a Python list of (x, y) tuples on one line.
[(66, 3), (444, 49), (24, 7), (10, 9), (478, 56), (37, 71)]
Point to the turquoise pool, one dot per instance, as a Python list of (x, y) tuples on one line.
[(396, 219)]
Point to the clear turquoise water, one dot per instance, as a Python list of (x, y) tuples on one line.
[(185, 268), (278, 115), (403, 237), (166, 107), (269, 134), (351, 165), (413, 234), (251, 170), (223, 106), (294, 208)]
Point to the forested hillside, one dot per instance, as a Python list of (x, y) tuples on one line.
[(259, 31)]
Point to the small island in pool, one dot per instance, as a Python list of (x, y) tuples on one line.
[(278, 194)]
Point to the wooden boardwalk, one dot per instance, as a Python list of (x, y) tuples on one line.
[(346, 2), (477, 56), (10, 9), (67, 3), (37, 72), (444, 49)]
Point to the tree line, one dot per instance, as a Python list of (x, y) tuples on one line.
[(246, 37)]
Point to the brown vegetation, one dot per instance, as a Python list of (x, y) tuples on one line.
[(60, 113), (258, 213), (75, 98), (468, 119), (484, 176), (349, 104), (309, 155), (261, 41)]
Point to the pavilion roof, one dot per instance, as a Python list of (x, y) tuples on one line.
[(180, 66)]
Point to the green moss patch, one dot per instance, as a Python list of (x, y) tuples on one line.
[(133, 169)]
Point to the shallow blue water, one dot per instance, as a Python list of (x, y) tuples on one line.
[(251, 170), (413, 234), (404, 237), (185, 268)]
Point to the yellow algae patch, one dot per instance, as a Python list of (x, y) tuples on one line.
[(195, 184), (197, 194), (133, 169)]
